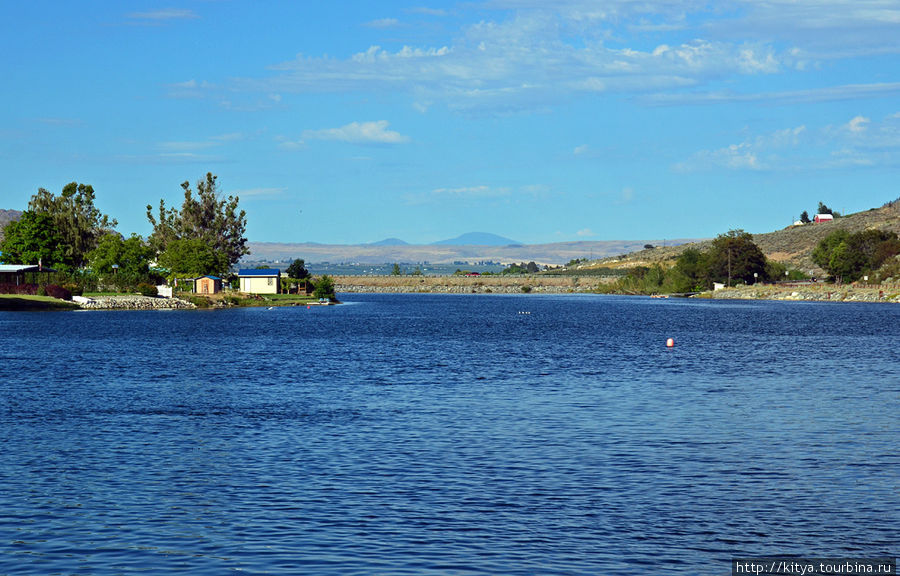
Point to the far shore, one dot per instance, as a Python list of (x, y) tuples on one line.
[(540, 284), (530, 284)]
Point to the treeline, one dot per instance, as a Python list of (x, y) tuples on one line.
[(733, 259), (68, 233), (850, 257)]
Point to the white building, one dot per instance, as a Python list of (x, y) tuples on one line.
[(262, 281)]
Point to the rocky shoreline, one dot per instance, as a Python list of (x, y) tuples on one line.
[(812, 293), (132, 303)]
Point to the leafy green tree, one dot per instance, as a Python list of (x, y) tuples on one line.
[(207, 218), (821, 254), (396, 270), (694, 266), (324, 288), (192, 256), (804, 217), (79, 222), (734, 256), (297, 270), (847, 257), (131, 255), (32, 239)]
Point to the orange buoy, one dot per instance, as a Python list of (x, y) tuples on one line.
[(670, 343)]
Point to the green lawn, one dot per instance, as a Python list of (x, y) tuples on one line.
[(23, 302)]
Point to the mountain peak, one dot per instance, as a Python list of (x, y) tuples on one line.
[(477, 239)]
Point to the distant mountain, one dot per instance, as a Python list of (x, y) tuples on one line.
[(476, 239), (390, 242)]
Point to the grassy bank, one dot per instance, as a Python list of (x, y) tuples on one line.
[(235, 300), (35, 303)]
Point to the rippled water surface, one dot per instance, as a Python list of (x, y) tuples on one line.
[(423, 434)]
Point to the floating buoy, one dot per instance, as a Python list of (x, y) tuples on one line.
[(670, 343), (307, 307)]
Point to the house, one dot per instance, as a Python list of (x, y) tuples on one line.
[(17, 274), (823, 218), (207, 285), (261, 281)]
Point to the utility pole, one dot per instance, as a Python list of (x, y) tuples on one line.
[(729, 266)]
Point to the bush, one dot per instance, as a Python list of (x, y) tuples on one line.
[(74, 289), (55, 291), (147, 289), (24, 289)]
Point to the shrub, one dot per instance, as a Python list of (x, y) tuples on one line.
[(26, 289), (55, 291), (147, 289), (526, 289), (74, 289)]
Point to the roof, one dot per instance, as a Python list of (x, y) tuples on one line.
[(24, 268), (208, 276), (259, 272)]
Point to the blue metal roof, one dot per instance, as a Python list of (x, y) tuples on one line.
[(260, 272), (209, 276)]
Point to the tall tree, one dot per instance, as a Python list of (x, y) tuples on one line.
[(131, 255), (78, 221), (192, 256), (208, 218), (297, 269), (32, 239), (734, 256)]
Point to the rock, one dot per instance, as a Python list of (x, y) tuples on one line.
[(135, 303)]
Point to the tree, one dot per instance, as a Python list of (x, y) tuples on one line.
[(132, 255), (804, 217), (734, 256), (847, 256), (79, 222), (215, 221), (297, 270), (395, 271), (324, 288), (192, 256), (32, 239), (694, 265)]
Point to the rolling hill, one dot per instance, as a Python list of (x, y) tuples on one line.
[(792, 245)]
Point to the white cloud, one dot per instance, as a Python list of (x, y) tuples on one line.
[(383, 23), (157, 16), (359, 133), (859, 142), (858, 124), (534, 54), (585, 233), (472, 192), (733, 157)]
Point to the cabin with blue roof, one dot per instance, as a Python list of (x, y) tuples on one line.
[(260, 281), (207, 285)]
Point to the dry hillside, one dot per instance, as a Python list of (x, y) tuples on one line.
[(792, 245)]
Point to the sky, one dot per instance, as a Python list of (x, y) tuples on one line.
[(348, 122)]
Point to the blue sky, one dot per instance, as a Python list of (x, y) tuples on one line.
[(349, 122)]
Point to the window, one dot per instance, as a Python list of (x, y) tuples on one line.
[(271, 281)]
